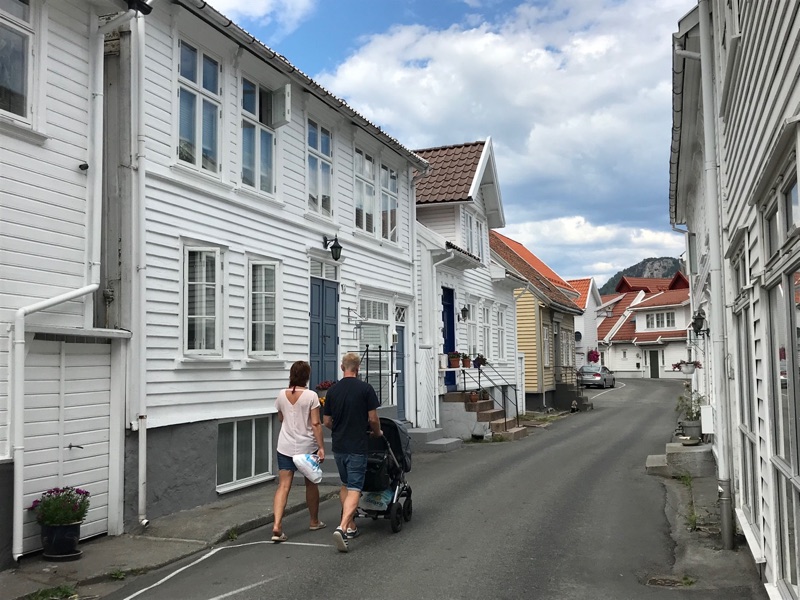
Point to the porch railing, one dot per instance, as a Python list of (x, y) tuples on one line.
[(493, 376), (376, 369)]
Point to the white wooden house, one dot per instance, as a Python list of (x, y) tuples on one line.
[(733, 185), (174, 191), (585, 324), (466, 300)]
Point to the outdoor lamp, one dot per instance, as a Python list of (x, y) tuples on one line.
[(698, 321), (335, 246), (464, 313)]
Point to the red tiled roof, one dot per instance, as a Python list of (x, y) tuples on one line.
[(451, 174), (679, 282), (524, 261), (645, 284), (644, 337), (668, 298), (582, 286), (617, 310), (606, 298), (535, 262), (627, 332)]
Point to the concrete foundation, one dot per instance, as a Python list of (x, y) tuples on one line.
[(6, 513)]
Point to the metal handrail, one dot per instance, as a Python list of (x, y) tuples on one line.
[(364, 373), (494, 383)]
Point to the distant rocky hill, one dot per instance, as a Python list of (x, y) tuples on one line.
[(650, 267)]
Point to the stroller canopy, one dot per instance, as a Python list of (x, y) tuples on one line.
[(396, 434)]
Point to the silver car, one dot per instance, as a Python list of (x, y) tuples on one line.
[(596, 375)]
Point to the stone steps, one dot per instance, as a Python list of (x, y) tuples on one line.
[(431, 439)]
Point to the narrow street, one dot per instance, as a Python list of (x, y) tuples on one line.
[(566, 513)]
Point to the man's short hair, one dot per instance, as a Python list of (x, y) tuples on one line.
[(351, 362)]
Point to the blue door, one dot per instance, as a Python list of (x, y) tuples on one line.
[(323, 354), (449, 333), (400, 366)]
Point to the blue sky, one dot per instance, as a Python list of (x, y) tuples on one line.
[(575, 94)]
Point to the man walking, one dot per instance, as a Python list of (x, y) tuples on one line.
[(351, 409)]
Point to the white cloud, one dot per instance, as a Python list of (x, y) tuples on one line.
[(285, 14), (576, 98)]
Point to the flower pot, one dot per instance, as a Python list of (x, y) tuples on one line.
[(60, 542), (691, 429), (473, 396), (455, 363), (477, 363), (466, 362), (443, 361), (687, 369)]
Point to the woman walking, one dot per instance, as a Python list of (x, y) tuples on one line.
[(301, 433)]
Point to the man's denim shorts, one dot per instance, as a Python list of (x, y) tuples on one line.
[(352, 469)]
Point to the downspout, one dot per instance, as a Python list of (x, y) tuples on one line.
[(715, 274), (451, 254)]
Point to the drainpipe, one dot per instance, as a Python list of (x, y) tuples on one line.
[(17, 402), (451, 254), (715, 274)]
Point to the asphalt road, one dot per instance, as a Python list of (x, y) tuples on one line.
[(566, 513)]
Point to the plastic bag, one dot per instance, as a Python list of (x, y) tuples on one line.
[(376, 500), (308, 465)]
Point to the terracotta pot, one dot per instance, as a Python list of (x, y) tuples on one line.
[(466, 362), (473, 396), (455, 363)]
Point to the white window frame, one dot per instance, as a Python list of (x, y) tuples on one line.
[(660, 320), (316, 153), (479, 239), (364, 192), (545, 346), (486, 330), (203, 95), (473, 234), (472, 330), (25, 28), (217, 348), (501, 333), (275, 295), (261, 122), (390, 206), (469, 219), (254, 477)]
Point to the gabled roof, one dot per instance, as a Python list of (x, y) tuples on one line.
[(626, 332), (679, 282), (582, 286), (669, 298), (524, 262), (618, 310), (538, 264), (645, 284), (460, 173)]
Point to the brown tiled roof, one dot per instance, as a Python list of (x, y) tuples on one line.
[(582, 286), (679, 282), (535, 262), (662, 299), (451, 173), (524, 261)]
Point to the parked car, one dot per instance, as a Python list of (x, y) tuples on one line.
[(596, 375)]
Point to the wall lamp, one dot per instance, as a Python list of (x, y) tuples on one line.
[(464, 313), (699, 325), (335, 246)]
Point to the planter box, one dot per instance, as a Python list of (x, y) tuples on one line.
[(687, 369)]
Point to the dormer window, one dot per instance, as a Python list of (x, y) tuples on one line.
[(473, 235), (660, 320)]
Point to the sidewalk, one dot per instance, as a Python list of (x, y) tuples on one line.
[(166, 540)]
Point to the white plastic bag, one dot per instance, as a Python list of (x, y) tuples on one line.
[(308, 465), (376, 500)]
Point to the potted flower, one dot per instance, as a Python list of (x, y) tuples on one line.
[(687, 367), (60, 512), (480, 361), (322, 388), (688, 405), (466, 360), (593, 356), (455, 359)]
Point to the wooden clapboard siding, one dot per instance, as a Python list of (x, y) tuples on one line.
[(441, 219)]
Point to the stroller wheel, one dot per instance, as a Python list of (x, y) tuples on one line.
[(396, 516), (408, 509)]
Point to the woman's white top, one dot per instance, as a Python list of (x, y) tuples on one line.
[(297, 436)]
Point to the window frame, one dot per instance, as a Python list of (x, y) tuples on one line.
[(363, 180), (317, 153), (472, 329), (389, 204), (254, 478), (217, 351), (501, 333), (545, 346), (27, 29), (276, 323), (486, 330), (202, 95), (261, 126)]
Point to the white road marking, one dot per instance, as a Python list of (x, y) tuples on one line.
[(244, 589), (620, 385), (212, 553)]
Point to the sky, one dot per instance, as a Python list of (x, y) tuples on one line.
[(575, 95)]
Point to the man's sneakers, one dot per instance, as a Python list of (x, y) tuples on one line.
[(340, 539), (352, 533)]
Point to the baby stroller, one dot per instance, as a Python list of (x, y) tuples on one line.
[(388, 461)]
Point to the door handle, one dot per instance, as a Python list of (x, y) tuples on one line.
[(71, 446)]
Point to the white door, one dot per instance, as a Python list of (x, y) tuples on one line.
[(67, 427)]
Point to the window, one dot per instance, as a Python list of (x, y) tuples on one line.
[(624, 355), (501, 333), (792, 206), (479, 239), (243, 452), (473, 235), (365, 191), (388, 204), (320, 168), (546, 346), (16, 39), (202, 301), (258, 139), (772, 241), (375, 348), (199, 105), (486, 326), (263, 308), (472, 331), (660, 320)]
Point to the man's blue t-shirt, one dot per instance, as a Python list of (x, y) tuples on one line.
[(348, 403)]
